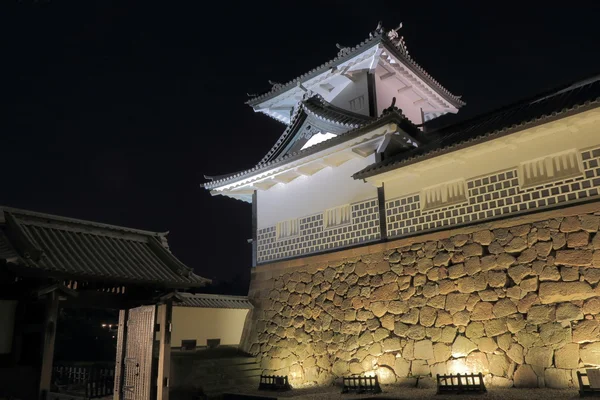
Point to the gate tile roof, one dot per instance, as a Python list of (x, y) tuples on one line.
[(51, 246)]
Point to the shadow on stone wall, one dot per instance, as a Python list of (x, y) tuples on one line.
[(518, 304)]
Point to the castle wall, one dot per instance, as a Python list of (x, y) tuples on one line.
[(305, 200), (516, 299)]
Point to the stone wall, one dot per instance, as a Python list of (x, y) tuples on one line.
[(515, 299)]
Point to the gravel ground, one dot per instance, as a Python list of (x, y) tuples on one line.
[(390, 392)]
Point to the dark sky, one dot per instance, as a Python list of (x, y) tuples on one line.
[(114, 111)]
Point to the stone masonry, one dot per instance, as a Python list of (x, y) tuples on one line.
[(517, 300)]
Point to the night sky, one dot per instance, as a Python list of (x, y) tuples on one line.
[(114, 111)]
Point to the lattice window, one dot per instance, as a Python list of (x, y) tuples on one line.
[(357, 103), (552, 168), (337, 216), (287, 229), (444, 195)]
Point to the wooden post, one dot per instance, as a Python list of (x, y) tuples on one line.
[(165, 312), (120, 356), (50, 322)]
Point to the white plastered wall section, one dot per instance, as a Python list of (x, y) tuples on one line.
[(207, 323), (352, 92), (308, 195), (545, 166), (386, 91), (579, 132)]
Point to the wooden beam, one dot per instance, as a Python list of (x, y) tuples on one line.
[(165, 312), (420, 101), (264, 185), (387, 76), (286, 177), (404, 89), (310, 169), (254, 228), (120, 356), (50, 322)]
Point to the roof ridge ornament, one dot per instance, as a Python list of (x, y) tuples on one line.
[(377, 31), (397, 40), (391, 108), (276, 85), (343, 50)]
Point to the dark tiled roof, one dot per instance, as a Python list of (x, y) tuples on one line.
[(319, 108), (395, 116), (202, 300), (378, 36), (66, 248), (557, 103)]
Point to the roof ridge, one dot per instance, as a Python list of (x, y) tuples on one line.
[(389, 38), (540, 96), (61, 218), (476, 130), (394, 114)]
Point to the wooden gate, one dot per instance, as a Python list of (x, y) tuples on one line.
[(133, 374)]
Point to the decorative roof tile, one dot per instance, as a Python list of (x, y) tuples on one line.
[(391, 41), (572, 98), (68, 248), (202, 300), (394, 116), (316, 106)]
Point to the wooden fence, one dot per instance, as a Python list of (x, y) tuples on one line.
[(88, 380)]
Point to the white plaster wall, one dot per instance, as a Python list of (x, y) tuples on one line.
[(7, 323), (307, 195), (386, 91), (352, 91), (577, 132), (207, 323)]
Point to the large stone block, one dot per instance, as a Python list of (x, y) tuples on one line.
[(557, 378), (578, 258), (386, 292), (504, 307), (462, 347), (586, 331), (539, 356), (557, 292), (401, 367), (525, 377), (484, 237), (477, 362), (485, 344), (567, 356), (499, 364), (568, 312), (515, 353), (570, 224), (423, 350), (442, 352), (482, 311), (495, 327), (590, 354), (541, 314)]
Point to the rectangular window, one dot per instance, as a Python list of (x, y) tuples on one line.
[(357, 103), (287, 229), (444, 195), (555, 167), (337, 216)]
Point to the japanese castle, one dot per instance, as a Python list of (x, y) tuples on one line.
[(363, 157)]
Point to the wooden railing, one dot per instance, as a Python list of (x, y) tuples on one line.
[(89, 380), (361, 384), (457, 383)]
